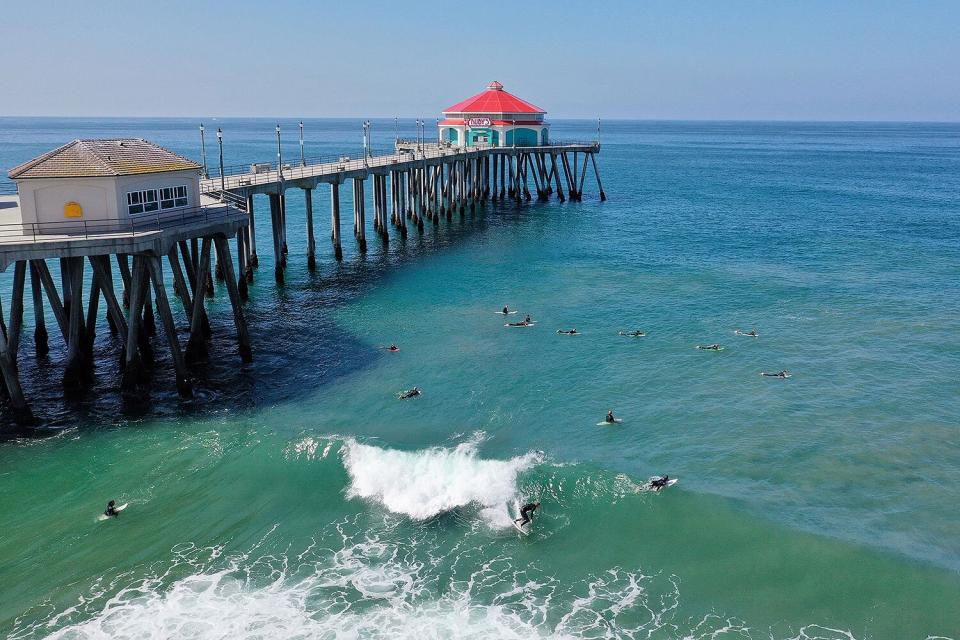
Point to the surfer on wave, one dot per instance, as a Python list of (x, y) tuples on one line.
[(659, 483), (525, 512)]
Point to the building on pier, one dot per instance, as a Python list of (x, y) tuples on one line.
[(91, 203), (495, 117), (117, 182)]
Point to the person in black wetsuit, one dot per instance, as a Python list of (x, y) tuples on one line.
[(410, 394), (659, 483), (610, 417), (111, 509), (525, 512), (506, 310)]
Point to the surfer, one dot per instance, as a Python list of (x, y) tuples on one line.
[(525, 512), (610, 418), (393, 348), (506, 310), (709, 347), (659, 483), (633, 334), (571, 332), (779, 374), (750, 334), (410, 393), (527, 320), (111, 510)]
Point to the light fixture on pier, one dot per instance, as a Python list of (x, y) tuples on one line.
[(279, 155), (220, 144), (303, 159), (203, 151)]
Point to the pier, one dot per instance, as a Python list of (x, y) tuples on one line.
[(125, 208)]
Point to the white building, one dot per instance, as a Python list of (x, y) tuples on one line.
[(105, 183)]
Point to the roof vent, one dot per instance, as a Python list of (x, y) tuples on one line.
[(495, 86)]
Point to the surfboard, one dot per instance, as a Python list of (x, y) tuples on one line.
[(670, 483), (605, 423), (746, 335), (519, 326), (104, 516), (525, 529), (508, 313), (564, 333), (719, 349), (631, 335), (768, 375)]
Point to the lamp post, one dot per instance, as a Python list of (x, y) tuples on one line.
[(303, 159), (223, 187), (396, 129), (203, 151), (598, 129), (279, 155), (366, 140)]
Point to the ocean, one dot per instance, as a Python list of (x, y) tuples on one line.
[(298, 497)]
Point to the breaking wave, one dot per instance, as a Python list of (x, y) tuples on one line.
[(424, 484)]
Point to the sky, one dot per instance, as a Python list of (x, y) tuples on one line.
[(720, 60)]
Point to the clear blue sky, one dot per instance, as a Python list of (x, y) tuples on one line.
[(732, 59)]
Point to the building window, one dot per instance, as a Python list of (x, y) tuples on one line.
[(154, 199), (171, 197)]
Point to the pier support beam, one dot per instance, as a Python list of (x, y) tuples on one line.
[(16, 310), (252, 260), (596, 172), (41, 339), (276, 215), (243, 337), (196, 345), (311, 244), (335, 220), (133, 364), (155, 272), (11, 380)]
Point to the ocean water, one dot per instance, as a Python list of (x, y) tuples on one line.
[(297, 497)]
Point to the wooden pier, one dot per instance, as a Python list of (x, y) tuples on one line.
[(416, 184)]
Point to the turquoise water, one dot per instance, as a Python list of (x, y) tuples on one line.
[(297, 497)]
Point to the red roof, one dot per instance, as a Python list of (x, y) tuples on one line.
[(494, 100)]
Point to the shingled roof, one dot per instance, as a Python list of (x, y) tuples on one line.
[(102, 158)]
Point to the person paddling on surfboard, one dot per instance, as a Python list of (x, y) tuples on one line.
[(570, 332), (111, 509), (525, 512), (710, 347), (659, 483), (410, 394), (778, 374), (393, 348)]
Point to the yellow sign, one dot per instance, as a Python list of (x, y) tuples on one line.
[(72, 210)]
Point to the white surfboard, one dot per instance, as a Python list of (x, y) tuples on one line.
[(519, 326), (104, 516), (746, 335), (525, 529), (632, 335), (670, 483), (605, 423), (567, 333), (508, 313)]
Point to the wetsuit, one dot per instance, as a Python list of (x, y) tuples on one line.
[(111, 511), (659, 483), (525, 512)]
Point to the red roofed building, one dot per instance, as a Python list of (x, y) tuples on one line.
[(496, 117)]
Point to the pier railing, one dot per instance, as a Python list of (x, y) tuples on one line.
[(101, 227), (262, 173)]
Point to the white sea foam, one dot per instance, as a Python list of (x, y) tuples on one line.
[(423, 484), (373, 588)]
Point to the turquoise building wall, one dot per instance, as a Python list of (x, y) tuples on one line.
[(521, 138)]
